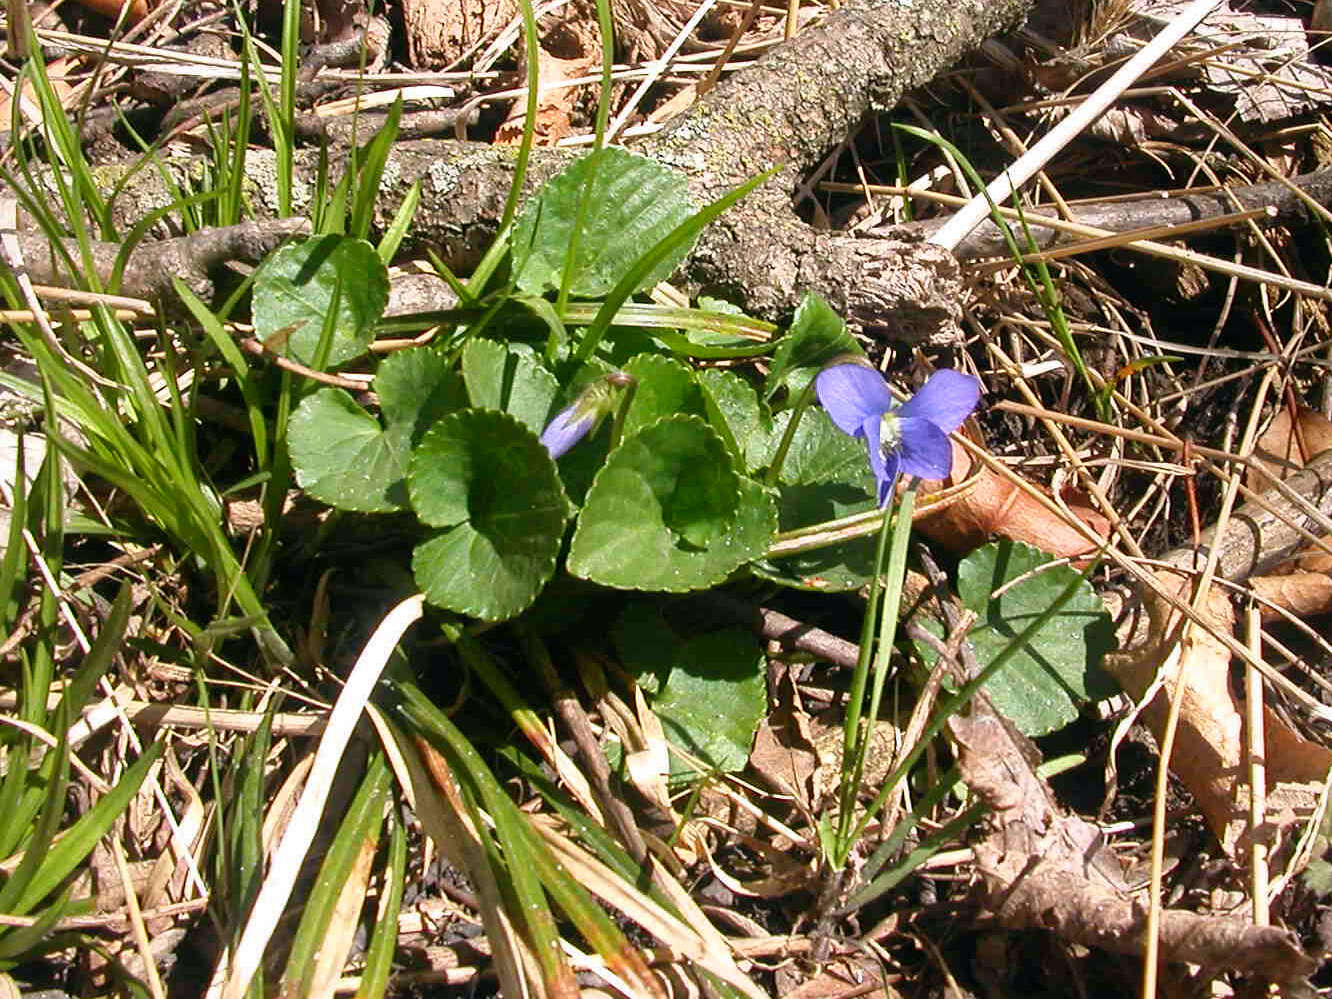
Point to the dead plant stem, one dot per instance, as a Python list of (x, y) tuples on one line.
[(1253, 728), (1152, 944)]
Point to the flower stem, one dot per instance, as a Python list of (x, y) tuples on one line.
[(885, 600), (778, 459)]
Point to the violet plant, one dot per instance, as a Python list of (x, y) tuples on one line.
[(598, 399), (911, 439)]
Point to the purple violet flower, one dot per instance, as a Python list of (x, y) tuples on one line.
[(575, 421), (570, 425), (911, 438)]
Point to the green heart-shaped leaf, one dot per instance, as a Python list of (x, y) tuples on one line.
[(624, 203), (711, 702), (297, 288), (509, 378), (818, 336), (668, 512), (665, 388), (486, 479), (1058, 668), (345, 458)]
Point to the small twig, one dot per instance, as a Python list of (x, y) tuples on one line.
[(1256, 742), (577, 724), (136, 922), (714, 74), (1176, 695), (252, 346), (790, 633), (1096, 104)]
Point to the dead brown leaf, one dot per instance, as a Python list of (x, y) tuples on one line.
[(1304, 594), (1044, 869), (1287, 445), (1302, 585), (785, 756), (841, 978), (992, 506), (138, 9), (554, 107), (1209, 751)]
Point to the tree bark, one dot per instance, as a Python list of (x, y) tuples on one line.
[(788, 109)]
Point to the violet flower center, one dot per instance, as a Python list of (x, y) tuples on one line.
[(890, 432)]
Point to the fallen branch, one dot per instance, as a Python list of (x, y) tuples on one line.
[(1141, 213), (151, 266), (789, 108), (1043, 869)]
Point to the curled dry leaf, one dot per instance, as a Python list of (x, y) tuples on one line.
[(554, 107), (1209, 748), (991, 505), (138, 9), (1209, 754), (1302, 585), (1303, 594), (1287, 445), (785, 756)]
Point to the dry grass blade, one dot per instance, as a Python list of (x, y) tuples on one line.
[(1057, 138), (136, 922), (684, 939), (234, 972), (343, 924), (430, 787)]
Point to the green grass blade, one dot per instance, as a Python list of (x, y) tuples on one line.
[(241, 861), (372, 172), (465, 297), (330, 209), (384, 937), (231, 208), (606, 23), (397, 230), (100, 656), (140, 230), (530, 908), (951, 832), (361, 824), (12, 793), (35, 848), (14, 563), (15, 943), (957, 701), (78, 841), (532, 46), (68, 148), (231, 353), (1038, 276), (885, 850)]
